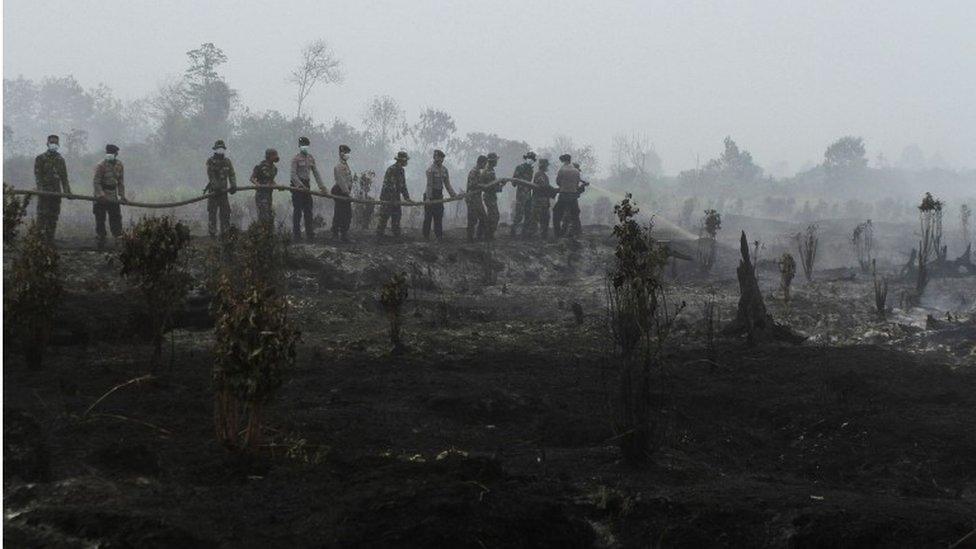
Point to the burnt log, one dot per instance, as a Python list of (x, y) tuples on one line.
[(941, 267), (752, 319)]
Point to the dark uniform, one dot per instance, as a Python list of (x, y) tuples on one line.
[(109, 190), (539, 217), (342, 214), (490, 196), (50, 174), (264, 175), (220, 177), (394, 186), (476, 206), (438, 179), (303, 167), (523, 195)]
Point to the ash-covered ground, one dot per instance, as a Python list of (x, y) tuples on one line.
[(493, 429)]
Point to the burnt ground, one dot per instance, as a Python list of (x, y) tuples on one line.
[(493, 430)]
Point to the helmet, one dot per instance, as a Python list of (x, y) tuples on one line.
[(303, 141), (112, 149)]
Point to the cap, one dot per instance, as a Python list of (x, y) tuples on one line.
[(528, 156), (344, 149), (53, 138), (303, 141), (112, 149), (439, 153), (219, 144), (402, 155)]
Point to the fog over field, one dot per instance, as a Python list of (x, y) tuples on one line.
[(574, 274), (784, 80)]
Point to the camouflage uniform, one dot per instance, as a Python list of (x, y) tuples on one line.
[(490, 198), (221, 177), (50, 174), (476, 207), (109, 187), (523, 197), (539, 217), (438, 179), (264, 175), (394, 186), (303, 167), (566, 210), (342, 213)]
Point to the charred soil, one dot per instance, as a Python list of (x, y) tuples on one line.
[(493, 429)]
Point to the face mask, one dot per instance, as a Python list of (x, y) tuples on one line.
[(344, 156), (109, 156), (304, 149), (53, 147), (221, 151)]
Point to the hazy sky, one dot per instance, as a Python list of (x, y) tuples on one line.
[(783, 78)]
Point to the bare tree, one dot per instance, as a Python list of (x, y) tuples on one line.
[(319, 64), (584, 155), (384, 120), (635, 153)]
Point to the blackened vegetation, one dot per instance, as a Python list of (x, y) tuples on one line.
[(880, 291), (930, 259), (751, 317), (154, 257), (787, 271), (862, 240), (392, 297), (640, 321), (807, 243), (32, 296)]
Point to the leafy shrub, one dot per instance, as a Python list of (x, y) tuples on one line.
[(14, 211), (254, 344), (707, 231), (153, 256), (33, 293), (640, 321)]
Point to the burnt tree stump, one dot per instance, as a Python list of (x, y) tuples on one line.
[(752, 318)]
